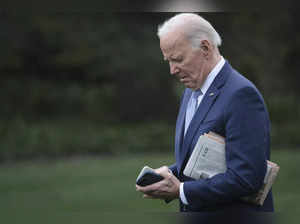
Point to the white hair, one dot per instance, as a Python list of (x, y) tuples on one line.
[(193, 26)]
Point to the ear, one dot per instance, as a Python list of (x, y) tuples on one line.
[(205, 47)]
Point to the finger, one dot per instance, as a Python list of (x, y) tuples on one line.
[(151, 187), (137, 187), (147, 196), (163, 169), (165, 174), (146, 188)]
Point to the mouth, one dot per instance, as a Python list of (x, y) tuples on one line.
[(183, 79)]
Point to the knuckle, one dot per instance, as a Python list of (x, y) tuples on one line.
[(168, 177), (165, 168)]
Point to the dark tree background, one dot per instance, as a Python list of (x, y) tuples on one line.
[(78, 83)]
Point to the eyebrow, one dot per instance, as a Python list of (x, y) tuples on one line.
[(172, 57)]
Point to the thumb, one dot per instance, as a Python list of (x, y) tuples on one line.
[(163, 171)]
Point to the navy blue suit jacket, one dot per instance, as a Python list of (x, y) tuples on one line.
[(233, 108)]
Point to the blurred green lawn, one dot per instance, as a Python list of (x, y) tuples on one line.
[(74, 190)]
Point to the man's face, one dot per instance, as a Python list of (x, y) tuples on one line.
[(186, 63)]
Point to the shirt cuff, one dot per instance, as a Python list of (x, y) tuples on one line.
[(182, 195)]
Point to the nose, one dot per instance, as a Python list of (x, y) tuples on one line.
[(173, 68)]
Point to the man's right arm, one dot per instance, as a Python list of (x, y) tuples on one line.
[(182, 197)]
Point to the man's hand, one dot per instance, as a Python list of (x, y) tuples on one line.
[(168, 188)]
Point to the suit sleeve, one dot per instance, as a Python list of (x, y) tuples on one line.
[(173, 168), (246, 129)]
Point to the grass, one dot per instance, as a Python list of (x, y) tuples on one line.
[(89, 188)]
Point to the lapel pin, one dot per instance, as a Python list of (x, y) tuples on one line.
[(211, 94)]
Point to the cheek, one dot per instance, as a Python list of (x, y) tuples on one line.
[(193, 73), (187, 70), (192, 68)]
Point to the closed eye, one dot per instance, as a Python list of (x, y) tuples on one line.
[(177, 60)]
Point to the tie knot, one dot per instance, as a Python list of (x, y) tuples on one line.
[(197, 93)]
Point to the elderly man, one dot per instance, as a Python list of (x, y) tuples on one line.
[(217, 98)]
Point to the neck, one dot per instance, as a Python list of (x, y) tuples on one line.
[(214, 60)]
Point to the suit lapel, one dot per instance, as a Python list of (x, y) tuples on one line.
[(180, 125), (204, 107)]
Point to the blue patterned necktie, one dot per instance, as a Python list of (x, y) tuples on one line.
[(191, 109)]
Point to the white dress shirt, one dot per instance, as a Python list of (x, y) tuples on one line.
[(210, 78)]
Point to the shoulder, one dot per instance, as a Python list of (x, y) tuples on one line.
[(230, 81), (238, 85), (238, 90)]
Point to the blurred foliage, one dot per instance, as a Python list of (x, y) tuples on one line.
[(96, 83), (62, 138)]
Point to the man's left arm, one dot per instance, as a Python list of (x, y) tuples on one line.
[(247, 133)]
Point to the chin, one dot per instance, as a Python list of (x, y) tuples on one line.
[(189, 86)]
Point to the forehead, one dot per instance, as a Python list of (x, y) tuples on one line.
[(173, 42)]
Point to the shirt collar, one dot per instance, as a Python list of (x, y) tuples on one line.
[(212, 75)]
